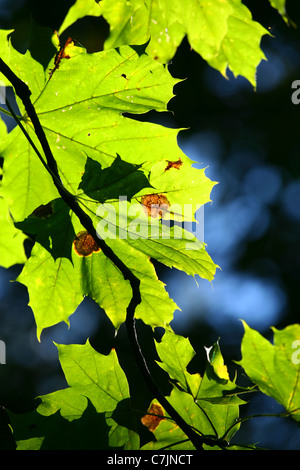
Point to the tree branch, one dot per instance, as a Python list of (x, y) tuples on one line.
[(24, 93)]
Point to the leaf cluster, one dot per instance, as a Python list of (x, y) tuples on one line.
[(111, 166)]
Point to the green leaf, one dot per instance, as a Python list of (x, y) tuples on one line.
[(49, 272), (33, 431), (170, 245), (186, 253), (175, 353), (280, 6), (222, 32), (156, 308), (187, 187), (21, 166), (98, 379), (85, 119), (216, 360), (11, 240), (78, 10), (101, 155), (275, 368), (167, 434), (209, 403), (95, 403), (91, 375), (54, 268), (51, 226), (3, 128), (28, 70), (26, 183), (54, 288), (105, 284)]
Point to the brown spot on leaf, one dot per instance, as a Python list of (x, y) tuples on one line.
[(175, 165), (155, 205), (61, 54), (153, 417), (84, 244)]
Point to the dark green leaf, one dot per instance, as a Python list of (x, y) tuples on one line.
[(119, 179)]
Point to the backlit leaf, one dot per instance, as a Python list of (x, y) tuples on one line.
[(209, 403), (11, 240), (275, 368), (101, 156), (221, 31), (84, 415)]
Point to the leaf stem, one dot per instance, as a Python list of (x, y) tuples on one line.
[(4, 111), (284, 414)]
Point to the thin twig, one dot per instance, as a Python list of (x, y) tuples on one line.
[(284, 414)]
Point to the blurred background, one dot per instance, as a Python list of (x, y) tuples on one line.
[(248, 141)]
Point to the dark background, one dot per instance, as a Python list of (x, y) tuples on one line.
[(249, 142)]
